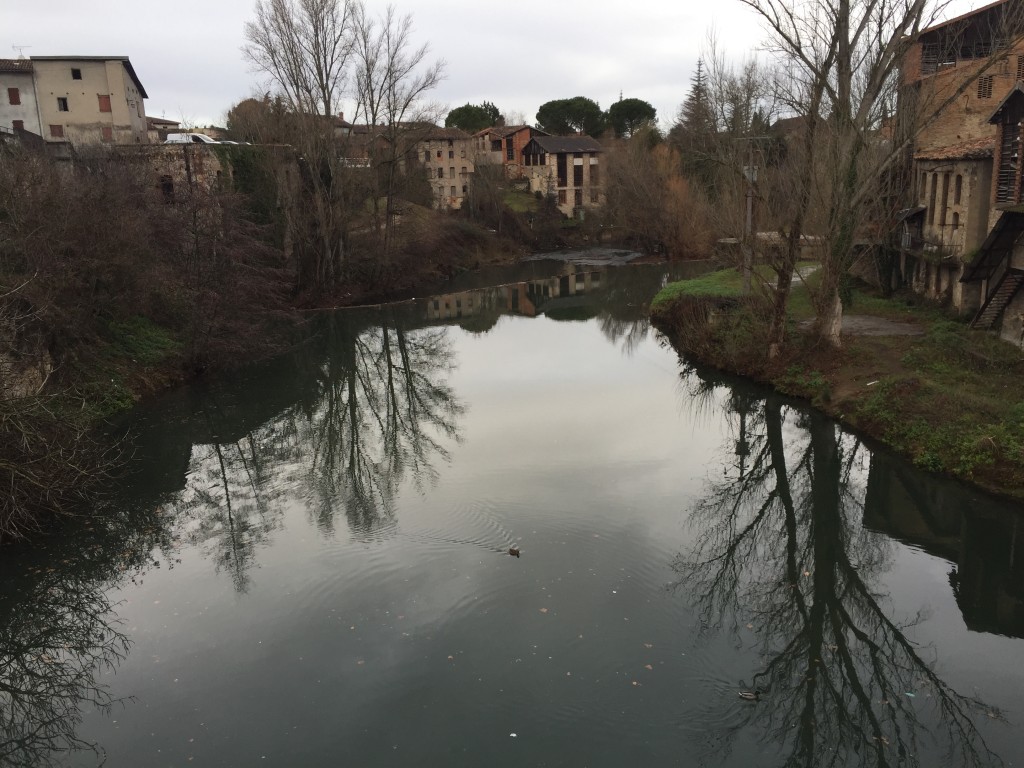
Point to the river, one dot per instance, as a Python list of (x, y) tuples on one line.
[(310, 565)]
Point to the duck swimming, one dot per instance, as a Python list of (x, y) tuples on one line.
[(514, 551)]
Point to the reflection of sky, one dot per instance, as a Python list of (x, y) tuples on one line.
[(338, 653)]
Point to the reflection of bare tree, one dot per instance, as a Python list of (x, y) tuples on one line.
[(53, 644), (383, 410), (228, 507), (781, 548)]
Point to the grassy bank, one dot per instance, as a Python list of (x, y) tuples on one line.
[(949, 398)]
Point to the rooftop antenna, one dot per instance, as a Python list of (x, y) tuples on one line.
[(21, 50)]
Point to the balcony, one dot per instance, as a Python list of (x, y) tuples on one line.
[(931, 250)]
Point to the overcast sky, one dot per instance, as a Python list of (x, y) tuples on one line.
[(520, 55)]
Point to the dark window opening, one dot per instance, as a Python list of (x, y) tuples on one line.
[(510, 151), (451, 154), (562, 171), (595, 175), (985, 87), (62, 104), (577, 175), (578, 198), (13, 96), (561, 197), (76, 74), (958, 188), (18, 125), (167, 188)]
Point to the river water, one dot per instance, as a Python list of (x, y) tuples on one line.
[(310, 565)]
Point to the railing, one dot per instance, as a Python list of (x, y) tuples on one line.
[(933, 248)]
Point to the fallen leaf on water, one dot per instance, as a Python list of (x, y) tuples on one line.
[(648, 645), (648, 666), (543, 610)]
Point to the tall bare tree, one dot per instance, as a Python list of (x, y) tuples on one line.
[(391, 80), (304, 47)]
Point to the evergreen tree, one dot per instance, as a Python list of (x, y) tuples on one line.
[(695, 131)]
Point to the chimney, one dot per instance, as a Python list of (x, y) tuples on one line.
[(341, 116)]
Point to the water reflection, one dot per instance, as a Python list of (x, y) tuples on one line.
[(60, 632), (780, 550)]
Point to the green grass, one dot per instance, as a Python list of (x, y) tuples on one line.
[(142, 340), (521, 202), (728, 283)]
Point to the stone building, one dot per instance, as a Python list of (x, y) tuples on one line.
[(960, 237), (448, 158), (565, 167)]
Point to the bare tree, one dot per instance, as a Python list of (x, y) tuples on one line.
[(304, 47), (391, 80)]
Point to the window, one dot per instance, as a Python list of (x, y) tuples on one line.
[(985, 87), (426, 156), (595, 174), (440, 173), (496, 145), (453, 191), (1020, 67), (451, 154), (104, 102), (463, 171), (439, 154), (462, 153), (62, 104), (451, 172), (465, 188), (167, 188), (578, 198), (924, 185), (451, 142), (593, 195), (945, 199), (108, 133), (958, 188), (13, 96), (510, 150), (931, 198), (18, 125), (561, 197), (956, 221), (57, 131), (577, 175), (76, 74)]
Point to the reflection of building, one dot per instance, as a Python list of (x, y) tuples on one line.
[(528, 298), (985, 541)]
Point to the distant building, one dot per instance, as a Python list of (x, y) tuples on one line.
[(157, 129), (448, 158), (18, 111), (567, 168), (504, 145), (86, 100)]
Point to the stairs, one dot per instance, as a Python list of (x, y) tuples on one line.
[(992, 310), (997, 247)]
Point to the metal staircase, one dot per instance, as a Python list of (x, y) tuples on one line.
[(994, 306)]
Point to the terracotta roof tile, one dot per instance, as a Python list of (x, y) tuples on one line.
[(976, 149)]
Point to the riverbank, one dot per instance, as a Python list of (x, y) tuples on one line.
[(919, 381)]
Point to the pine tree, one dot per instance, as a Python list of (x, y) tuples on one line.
[(695, 130)]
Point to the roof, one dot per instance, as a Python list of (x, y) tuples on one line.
[(15, 65), (437, 134), (557, 145), (502, 131), (155, 121), (976, 149), (1017, 89), (964, 17), (123, 59)]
